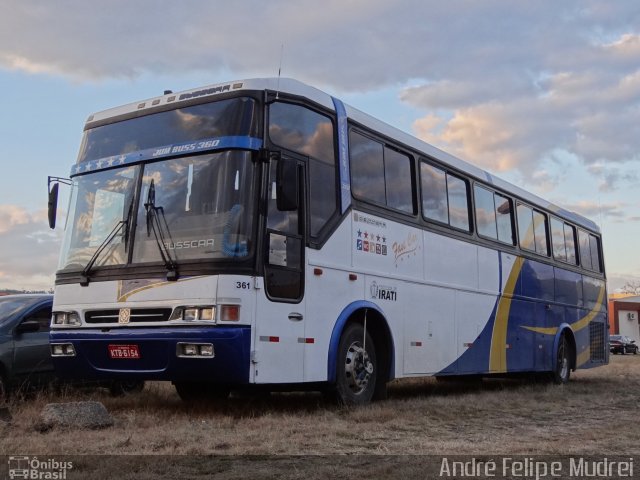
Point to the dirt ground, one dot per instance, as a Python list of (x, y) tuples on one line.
[(596, 414)]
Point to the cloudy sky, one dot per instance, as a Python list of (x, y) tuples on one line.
[(545, 94)]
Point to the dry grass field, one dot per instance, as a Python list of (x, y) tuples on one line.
[(597, 413)]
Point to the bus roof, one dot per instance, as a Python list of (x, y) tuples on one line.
[(295, 87)]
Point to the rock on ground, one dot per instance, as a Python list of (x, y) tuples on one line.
[(87, 415)]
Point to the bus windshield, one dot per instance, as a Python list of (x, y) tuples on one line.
[(203, 205), (204, 208)]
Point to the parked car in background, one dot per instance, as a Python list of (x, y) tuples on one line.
[(25, 359), (622, 344), (25, 355)]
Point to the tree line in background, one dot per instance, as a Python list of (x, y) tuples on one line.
[(8, 291), (632, 287)]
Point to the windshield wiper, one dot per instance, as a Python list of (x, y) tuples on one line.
[(154, 224), (121, 225)]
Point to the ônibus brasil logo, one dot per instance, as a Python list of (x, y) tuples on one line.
[(34, 468)]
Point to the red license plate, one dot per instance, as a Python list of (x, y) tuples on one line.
[(124, 351)]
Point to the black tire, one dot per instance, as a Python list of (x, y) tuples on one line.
[(199, 392), (562, 371), (120, 388), (357, 368), (4, 389)]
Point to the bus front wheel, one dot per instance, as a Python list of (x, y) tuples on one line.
[(357, 367)]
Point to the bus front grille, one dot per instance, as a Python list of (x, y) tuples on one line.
[(137, 315)]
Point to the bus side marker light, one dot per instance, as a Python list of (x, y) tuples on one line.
[(317, 271), (468, 345), (416, 344), (353, 277), (269, 339), (306, 340)]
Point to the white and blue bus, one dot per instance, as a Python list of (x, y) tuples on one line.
[(261, 232)]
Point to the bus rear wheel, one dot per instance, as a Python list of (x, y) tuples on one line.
[(562, 371), (357, 367)]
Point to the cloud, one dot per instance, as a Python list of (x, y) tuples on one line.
[(598, 210), (615, 282), (89, 41), (611, 177), (595, 117), (30, 249), (12, 216)]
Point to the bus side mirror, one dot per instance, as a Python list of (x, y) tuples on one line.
[(287, 185), (53, 205)]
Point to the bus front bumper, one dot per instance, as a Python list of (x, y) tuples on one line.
[(159, 354)]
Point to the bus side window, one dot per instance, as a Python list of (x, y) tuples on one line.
[(504, 214), (494, 215), (309, 133), (563, 239), (458, 196), (540, 232), (381, 174), (398, 180), (485, 213), (532, 231), (594, 245), (590, 257), (570, 242), (367, 168), (434, 193), (585, 250), (445, 197), (558, 240)]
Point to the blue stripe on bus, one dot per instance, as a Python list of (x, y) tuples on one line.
[(536, 321), (343, 154), (203, 145)]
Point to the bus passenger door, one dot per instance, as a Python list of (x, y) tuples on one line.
[(280, 315)]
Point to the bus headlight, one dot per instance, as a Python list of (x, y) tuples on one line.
[(65, 318), (189, 314)]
